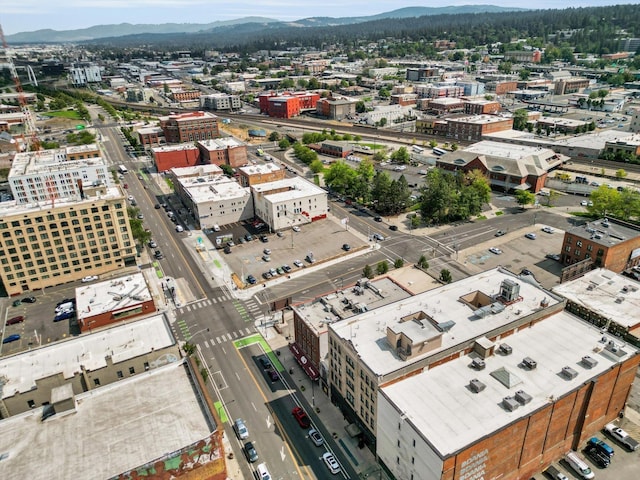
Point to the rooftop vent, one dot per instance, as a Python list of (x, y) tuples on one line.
[(510, 403), (505, 349), (478, 364), (530, 363), (589, 362), (476, 386), (619, 299), (523, 397), (509, 290), (569, 373)]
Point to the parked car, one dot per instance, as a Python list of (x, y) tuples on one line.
[(252, 280), (298, 263), (266, 258), (526, 271), (264, 239), (495, 251), (267, 251), (273, 375), (286, 268), (153, 244), (265, 362), (29, 299), (179, 228), (267, 275), (331, 462), (295, 228), (241, 429), (15, 320), (553, 256), (346, 247), (11, 338), (301, 417), (89, 278), (315, 437), (250, 452), (547, 230), (530, 236), (157, 206), (596, 456), (17, 303), (248, 237), (64, 315), (140, 216)]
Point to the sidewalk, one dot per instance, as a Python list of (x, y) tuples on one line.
[(333, 424)]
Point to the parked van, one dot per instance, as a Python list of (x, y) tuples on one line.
[(579, 465)]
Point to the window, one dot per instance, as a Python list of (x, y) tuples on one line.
[(132, 371), (146, 365), (579, 243), (119, 374), (96, 382)]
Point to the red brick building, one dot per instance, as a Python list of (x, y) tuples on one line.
[(150, 136), (174, 156), (223, 151), (609, 243), (473, 128), (481, 107), (189, 127), (287, 104), (185, 95)]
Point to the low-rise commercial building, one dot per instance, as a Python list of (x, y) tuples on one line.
[(223, 151), (260, 173), (151, 136), (336, 108), (189, 127), (292, 201), (84, 363), (167, 157), (473, 128), (220, 102)]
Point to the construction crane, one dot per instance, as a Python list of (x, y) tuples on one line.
[(29, 137)]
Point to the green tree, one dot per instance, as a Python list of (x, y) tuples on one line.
[(284, 144), (606, 201), (274, 136), (382, 267), (445, 276), (401, 155), (621, 173), (339, 177), (524, 198), (423, 263), (316, 166), (454, 147), (433, 143), (520, 118), (367, 271), (227, 170), (360, 107), (398, 263)]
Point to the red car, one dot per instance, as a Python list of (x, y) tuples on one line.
[(300, 415), (14, 320)]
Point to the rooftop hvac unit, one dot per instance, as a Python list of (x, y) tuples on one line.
[(505, 349), (478, 364), (476, 386), (510, 403), (509, 290), (569, 373), (589, 362), (530, 363), (523, 397)]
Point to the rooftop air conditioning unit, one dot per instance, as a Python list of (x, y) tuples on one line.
[(476, 386), (523, 397), (478, 364), (569, 373), (530, 363), (510, 404), (505, 349), (589, 362)]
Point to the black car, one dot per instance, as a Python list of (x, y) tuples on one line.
[(600, 459), (157, 206), (251, 280), (248, 237), (526, 271), (227, 249), (346, 247), (264, 239), (250, 452), (29, 299), (378, 219), (393, 227), (266, 364), (273, 375)]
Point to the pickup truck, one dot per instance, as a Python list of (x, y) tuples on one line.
[(554, 473), (621, 436)]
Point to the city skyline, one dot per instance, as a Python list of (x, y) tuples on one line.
[(31, 15)]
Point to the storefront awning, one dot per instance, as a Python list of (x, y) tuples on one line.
[(304, 362)]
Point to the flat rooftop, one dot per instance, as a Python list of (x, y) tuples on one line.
[(215, 188), (198, 170), (174, 148), (484, 119), (348, 302), (594, 140), (367, 331), (440, 404), (605, 293), (510, 151), (220, 143), (112, 295), (606, 232), (114, 429), (20, 372), (260, 169), (292, 188)]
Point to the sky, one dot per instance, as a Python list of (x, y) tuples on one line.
[(30, 15)]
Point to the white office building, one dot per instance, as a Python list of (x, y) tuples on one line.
[(81, 74)]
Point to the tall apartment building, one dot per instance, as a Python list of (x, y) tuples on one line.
[(189, 127), (56, 174), (220, 101), (67, 220), (83, 73)]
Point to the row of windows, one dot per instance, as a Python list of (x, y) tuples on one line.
[(60, 216)]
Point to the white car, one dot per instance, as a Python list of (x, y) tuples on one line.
[(179, 228), (331, 462), (495, 250), (315, 437), (295, 228), (547, 230), (298, 263), (530, 236), (89, 278)]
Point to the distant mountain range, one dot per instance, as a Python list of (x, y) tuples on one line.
[(126, 29)]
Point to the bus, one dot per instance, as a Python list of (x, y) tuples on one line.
[(122, 169), (417, 149), (439, 151)]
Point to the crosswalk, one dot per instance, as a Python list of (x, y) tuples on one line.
[(249, 311)]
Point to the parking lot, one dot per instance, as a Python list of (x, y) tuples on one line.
[(324, 240), (38, 327), (519, 252)]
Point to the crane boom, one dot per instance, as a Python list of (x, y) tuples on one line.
[(30, 134)]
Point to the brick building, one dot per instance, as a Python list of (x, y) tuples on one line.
[(261, 173), (180, 95), (566, 86), (336, 108), (150, 136), (609, 243), (474, 127), (287, 104), (481, 107), (445, 382), (333, 148), (440, 106), (404, 99), (223, 151), (189, 127), (172, 156)]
